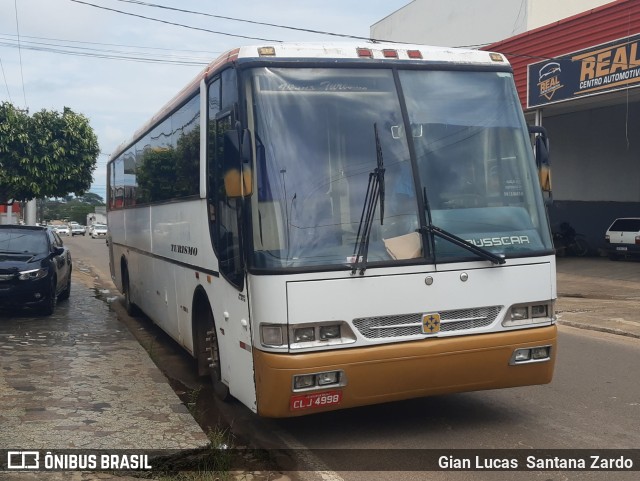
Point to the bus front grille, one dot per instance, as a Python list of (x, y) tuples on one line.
[(404, 325)]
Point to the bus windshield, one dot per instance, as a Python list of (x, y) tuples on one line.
[(460, 160)]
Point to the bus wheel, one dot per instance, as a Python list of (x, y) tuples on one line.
[(213, 360), (129, 305)]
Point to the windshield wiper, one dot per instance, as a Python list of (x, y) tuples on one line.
[(375, 193), (454, 239), (460, 242)]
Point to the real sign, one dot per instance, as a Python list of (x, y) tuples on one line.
[(611, 66)]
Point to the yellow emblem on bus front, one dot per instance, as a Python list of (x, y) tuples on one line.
[(431, 323)]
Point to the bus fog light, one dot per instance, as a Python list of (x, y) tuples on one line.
[(304, 381), (329, 332), (272, 335), (522, 355), (326, 378), (539, 353), (304, 334)]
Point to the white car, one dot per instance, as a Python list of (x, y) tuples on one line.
[(98, 230), (623, 237), (62, 229)]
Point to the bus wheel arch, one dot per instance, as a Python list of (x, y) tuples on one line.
[(205, 344)]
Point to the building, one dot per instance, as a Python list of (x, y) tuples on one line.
[(579, 77), (457, 23), (99, 216), (10, 214)]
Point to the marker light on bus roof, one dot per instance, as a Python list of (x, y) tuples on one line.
[(414, 53), (496, 57), (365, 52), (267, 51), (390, 53)]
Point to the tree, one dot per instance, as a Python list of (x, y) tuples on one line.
[(75, 210), (14, 151), (91, 199), (50, 154)]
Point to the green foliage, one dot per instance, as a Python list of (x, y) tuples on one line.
[(50, 154), (76, 210), (91, 199)]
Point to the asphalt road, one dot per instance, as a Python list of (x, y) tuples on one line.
[(592, 403)]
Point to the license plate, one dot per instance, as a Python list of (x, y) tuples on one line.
[(621, 248), (315, 400)]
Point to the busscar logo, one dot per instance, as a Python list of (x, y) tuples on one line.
[(23, 460), (549, 80)]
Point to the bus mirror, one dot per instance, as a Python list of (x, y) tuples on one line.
[(237, 185), (238, 181), (542, 161)]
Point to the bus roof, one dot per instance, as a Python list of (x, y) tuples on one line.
[(370, 50), (365, 51)]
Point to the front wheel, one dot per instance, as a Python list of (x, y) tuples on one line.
[(212, 349), (64, 295), (129, 305), (49, 304)]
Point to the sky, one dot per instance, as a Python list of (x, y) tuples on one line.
[(118, 69)]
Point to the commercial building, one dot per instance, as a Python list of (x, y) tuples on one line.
[(579, 77)]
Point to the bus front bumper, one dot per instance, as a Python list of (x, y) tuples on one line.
[(392, 372)]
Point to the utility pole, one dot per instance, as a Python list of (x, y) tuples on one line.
[(30, 212)]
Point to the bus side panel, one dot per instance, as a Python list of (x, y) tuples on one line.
[(137, 237)]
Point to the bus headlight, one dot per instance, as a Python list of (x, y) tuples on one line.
[(329, 332), (533, 313), (304, 334)]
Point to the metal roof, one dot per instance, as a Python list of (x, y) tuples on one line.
[(615, 20)]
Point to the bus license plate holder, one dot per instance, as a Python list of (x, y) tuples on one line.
[(621, 248), (315, 400)]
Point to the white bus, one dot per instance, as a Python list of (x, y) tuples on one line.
[(325, 226)]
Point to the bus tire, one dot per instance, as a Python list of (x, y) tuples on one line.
[(209, 358), (129, 305)]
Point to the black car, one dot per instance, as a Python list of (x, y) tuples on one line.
[(35, 268)]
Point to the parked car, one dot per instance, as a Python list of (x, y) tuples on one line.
[(77, 229), (98, 230), (623, 237), (62, 229), (35, 268)]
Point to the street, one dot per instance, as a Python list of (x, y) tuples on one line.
[(592, 403)]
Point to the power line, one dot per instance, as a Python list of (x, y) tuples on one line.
[(24, 94), (207, 52), (254, 22), (174, 23), (106, 54), (5, 82)]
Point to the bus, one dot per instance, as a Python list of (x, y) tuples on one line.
[(325, 226)]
